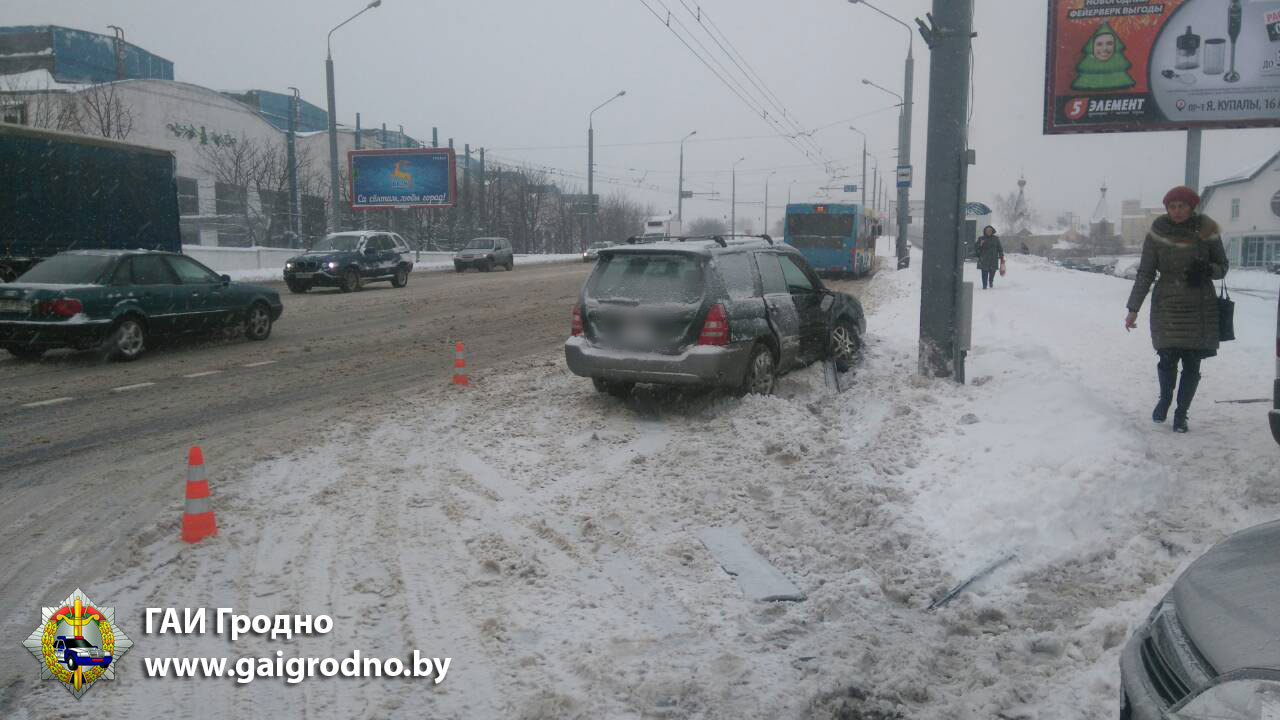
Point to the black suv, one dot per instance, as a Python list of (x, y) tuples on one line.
[(728, 313), (485, 254), (347, 260)]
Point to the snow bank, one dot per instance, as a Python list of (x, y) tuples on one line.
[(545, 535)]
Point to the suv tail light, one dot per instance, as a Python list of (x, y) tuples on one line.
[(575, 325), (62, 307), (715, 330)]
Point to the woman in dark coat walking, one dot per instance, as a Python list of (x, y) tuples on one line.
[(990, 255), (1185, 250)]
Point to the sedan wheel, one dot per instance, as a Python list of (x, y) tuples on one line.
[(128, 341), (845, 345), (258, 325), (71, 660), (350, 281), (760, 372)]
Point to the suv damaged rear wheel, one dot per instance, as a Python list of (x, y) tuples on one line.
[(761, 371)]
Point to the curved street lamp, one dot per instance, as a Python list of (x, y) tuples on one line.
[(904, 134), (591, 166), (334, 195)]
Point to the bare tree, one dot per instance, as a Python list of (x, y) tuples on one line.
[(1015, 212), (103, 112), (708, 226), (41, 106)]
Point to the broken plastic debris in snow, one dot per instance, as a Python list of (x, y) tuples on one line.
[(758, 579)]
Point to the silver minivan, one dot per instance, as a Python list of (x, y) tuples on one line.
[(1211, 647)]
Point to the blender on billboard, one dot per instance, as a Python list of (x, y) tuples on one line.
[(1134, 65), (402, 178)]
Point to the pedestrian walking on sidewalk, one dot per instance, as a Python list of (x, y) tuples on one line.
[(990, 256), (1182, 254)]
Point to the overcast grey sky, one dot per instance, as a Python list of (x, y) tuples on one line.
[(520, 78)]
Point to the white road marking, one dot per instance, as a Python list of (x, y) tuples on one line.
[(124, 388), (202, 374), (41, 403), (260, 364)]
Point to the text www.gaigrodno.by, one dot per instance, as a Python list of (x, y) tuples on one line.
[(297, 669)]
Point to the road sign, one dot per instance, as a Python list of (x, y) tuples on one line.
[(403, 178), (686, 194), (851, 188), (585, 201), (904, 176)]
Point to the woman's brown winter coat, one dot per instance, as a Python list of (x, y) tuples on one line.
[(1184, 305)]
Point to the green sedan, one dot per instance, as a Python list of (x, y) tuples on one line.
[(119, 300)]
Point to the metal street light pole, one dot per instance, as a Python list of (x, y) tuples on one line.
[(765, 230), (680, 191), (591, 165), (733, 213), (904, 136), (793, 184), (334, 196), (864, 166)]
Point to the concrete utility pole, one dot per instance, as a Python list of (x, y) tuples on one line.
[(591, 168), (765, 230), (482, 184), (733, 195), (335, 198), (947, 169), (1193, 160), (680, 191), (290, 149)]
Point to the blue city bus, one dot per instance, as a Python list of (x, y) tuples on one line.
[(836, 238)]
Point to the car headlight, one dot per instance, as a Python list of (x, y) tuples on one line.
[(1250, 699), (332, 265), (288, 266)]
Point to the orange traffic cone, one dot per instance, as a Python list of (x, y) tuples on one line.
[(459, 366), (198, 521)]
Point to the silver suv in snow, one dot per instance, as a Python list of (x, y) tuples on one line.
[(728, 313), (1211, 647)]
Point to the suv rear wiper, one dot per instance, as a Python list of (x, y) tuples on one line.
[(618, 301)]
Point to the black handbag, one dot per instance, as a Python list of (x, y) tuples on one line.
[(1226, 315)]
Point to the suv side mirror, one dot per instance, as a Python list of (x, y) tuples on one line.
[(226, 279)]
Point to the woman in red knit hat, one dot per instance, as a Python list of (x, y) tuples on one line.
[(1182, 255)]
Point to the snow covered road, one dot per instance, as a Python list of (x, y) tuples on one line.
[(544, 536)]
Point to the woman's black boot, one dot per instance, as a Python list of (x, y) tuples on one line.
[(1168, 377), (1186, 392)]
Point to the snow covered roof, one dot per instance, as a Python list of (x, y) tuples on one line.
[(37, 80), (1244, 175)]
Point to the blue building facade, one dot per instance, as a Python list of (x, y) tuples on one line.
[(77, 56)]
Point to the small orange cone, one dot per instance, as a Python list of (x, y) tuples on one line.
[(198, 521), (459, 366)]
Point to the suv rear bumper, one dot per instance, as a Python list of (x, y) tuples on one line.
[(699, 365)]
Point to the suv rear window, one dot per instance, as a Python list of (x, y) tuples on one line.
[(647, 278)]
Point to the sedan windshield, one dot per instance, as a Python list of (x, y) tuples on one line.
[(341, 243), (480, 244), (68, 270), (78, 643)]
